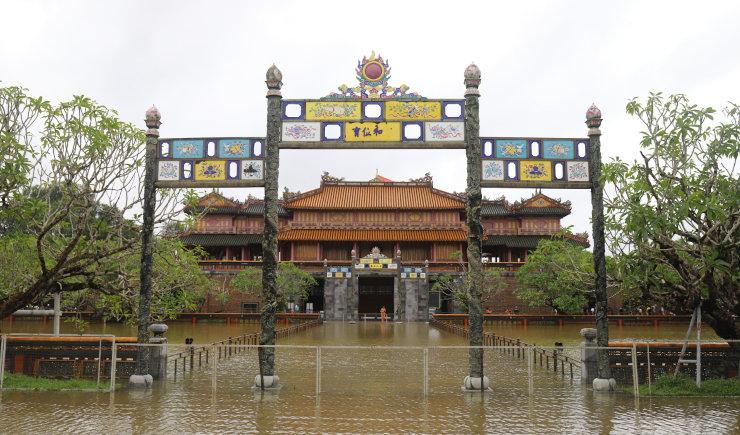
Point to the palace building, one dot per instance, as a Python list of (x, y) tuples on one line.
[(371, 244)]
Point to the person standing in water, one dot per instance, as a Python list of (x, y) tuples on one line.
[(383, 316)]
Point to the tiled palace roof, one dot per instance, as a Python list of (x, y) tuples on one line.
[(377, 196)]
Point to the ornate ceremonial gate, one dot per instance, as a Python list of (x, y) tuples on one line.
[(374, 115)]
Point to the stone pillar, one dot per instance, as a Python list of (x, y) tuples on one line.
[(266, 379), (153, 121), (399, 291), (353, 298), (604, 380), (476, 380), (158, 365), (588, 356)]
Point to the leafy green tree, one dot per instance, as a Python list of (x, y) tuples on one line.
[(69, 197), (293, 283), (559, 274), (673, 215), (455, 287)]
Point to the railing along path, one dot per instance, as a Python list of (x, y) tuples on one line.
[(516, 348), (229, 346)]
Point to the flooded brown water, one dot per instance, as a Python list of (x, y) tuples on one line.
[(365, 390)]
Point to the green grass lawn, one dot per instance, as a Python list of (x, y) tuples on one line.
[(685, 386), (25, 382)]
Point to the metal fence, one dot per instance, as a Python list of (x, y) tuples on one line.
[(232, 364)]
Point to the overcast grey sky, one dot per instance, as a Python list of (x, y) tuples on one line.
[(203, 64)]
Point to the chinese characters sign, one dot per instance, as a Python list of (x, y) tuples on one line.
[(210, 162), (535, 162)]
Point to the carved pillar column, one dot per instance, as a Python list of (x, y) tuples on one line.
[(476, 380), (604, 380), (266, 378), (153, 121)]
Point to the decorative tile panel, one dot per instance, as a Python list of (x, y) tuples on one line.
[(535, 162), (302, 131), (252, 170), (206, 170), (333, 111), (374, 120), (511, 148), (535, 170), (188, 149), (234, 148), (577, 171), (372, 131), (444, 131), (493, 170), (210, 162), (168, 170), (413, 110), (558, 149)]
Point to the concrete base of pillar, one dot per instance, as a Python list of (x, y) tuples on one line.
[(271, 382), (473, 384), (140, 381), (604, 385)]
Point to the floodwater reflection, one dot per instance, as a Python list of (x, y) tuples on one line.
[(364, 390)]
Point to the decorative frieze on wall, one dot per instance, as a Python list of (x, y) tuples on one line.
[(339, 272), (535, 162), (373, 114), (210, 162)]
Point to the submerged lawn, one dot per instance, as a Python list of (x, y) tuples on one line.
[(32, 383), (686, 386)]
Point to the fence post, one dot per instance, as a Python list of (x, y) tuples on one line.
[(635, 381), (426, 371), (318, 370), (698, 346), (213, 374), (3, 345), (100, 361), (530, 352), (113, 357), (649, 370)]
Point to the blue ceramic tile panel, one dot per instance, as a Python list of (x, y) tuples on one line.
[(511, 148), (558, 149), (187, 149), (234, 148)]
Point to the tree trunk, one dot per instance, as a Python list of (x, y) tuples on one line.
[(17, 301)]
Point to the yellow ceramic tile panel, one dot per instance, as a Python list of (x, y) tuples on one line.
[(413, 110), (386, 260), (210, 170), (340, 275), (372, 131), (535, 170), (333, 111)]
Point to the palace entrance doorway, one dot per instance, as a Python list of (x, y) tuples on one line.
[(375, 292)]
